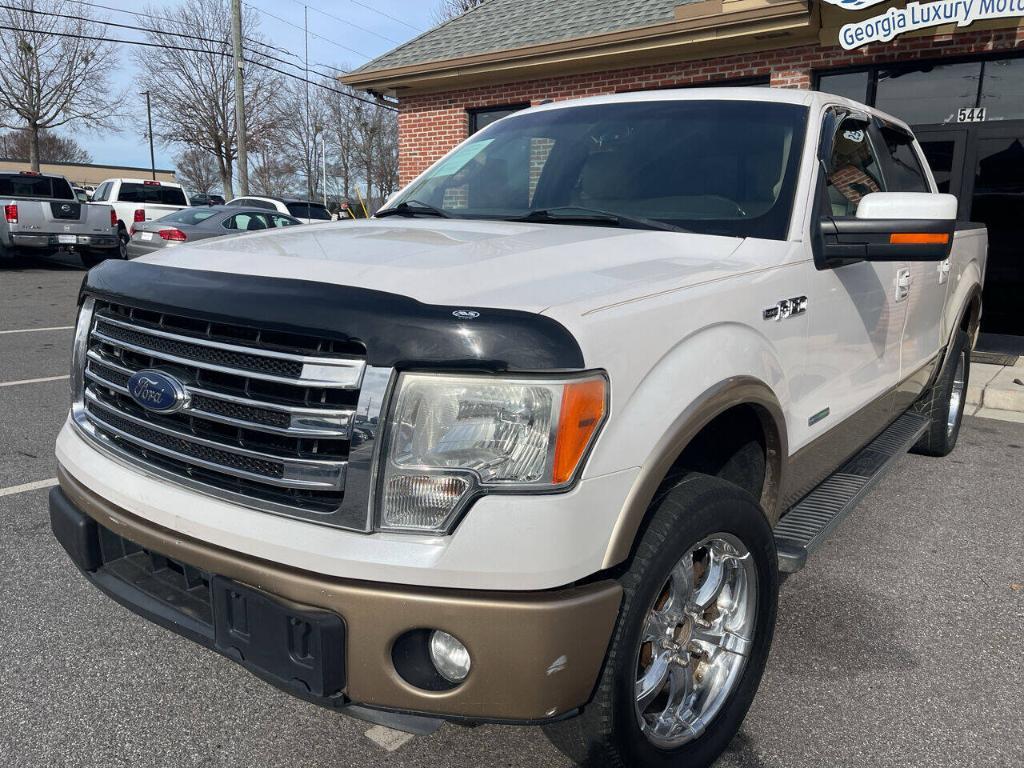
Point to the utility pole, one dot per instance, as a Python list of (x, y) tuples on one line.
[(149, 119), (309, 133), (323, 151), (236, 44)]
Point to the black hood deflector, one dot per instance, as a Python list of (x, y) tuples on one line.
[(397, 331)]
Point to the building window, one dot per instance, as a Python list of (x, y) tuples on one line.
[(1002, 89), (481, 118), (849, 85), (928, 93), (932, 92)]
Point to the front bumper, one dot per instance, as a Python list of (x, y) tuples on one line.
[(43, 240), (536, 655)]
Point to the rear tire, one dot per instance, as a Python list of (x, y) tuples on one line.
[(620, 726), (944, 402)]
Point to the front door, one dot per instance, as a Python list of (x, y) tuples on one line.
[(983, 164)]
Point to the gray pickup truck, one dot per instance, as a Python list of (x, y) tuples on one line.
[(42, 215)]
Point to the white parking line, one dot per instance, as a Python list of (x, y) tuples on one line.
[(33, 381), (39, 330), (28, 487), (388, 738)]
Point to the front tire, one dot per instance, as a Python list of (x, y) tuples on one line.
[(693, 635), (944, 402)]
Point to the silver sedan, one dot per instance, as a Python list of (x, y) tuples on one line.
[(201, 223)]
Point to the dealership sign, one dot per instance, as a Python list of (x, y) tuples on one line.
[(896, 21)]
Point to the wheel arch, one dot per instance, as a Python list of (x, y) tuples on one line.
[(728, 396)]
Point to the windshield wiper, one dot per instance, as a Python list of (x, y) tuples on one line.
[(574, 213), (412, 208)]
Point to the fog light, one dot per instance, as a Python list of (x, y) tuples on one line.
[(449, 656)]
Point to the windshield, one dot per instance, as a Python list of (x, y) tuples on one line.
[(189, 216), (714, 167), (309, 211)]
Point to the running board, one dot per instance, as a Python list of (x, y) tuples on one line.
[(809, 522)]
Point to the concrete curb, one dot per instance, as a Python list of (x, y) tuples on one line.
[(997, 387)]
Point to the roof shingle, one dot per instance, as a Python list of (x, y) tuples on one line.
[(498, 25)]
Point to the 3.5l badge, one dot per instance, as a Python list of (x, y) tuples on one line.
[(786, 308)]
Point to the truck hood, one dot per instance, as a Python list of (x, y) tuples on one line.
[(512, 265)]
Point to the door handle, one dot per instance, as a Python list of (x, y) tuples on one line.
[(903, 281), (943, 271)]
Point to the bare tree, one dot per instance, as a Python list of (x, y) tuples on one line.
[(364, 146), (302, 128), (53, 148), (450, 9), (198, 111), (54, 69), (197, 169), (271, 175)]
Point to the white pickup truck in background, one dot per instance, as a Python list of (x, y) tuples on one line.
[(138, 200), (534, 444), (43, 215)]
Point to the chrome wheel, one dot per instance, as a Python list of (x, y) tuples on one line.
[(696, 639), (956, 398)]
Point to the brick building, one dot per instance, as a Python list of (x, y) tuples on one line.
[(961, 87)]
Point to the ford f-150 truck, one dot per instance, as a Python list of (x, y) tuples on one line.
[(534, 444), (42, 215)]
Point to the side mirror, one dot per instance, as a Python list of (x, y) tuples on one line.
[(891, 226)]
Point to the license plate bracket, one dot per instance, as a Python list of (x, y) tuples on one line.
[(300, 647)]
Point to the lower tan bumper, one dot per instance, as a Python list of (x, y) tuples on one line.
[(536, 655)]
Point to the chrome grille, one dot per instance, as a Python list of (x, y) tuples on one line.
[(270, 419)]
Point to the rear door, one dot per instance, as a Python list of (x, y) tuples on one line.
[(927, 281)]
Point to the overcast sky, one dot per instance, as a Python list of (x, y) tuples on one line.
[(332, 43)]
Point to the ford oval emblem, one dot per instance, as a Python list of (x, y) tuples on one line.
[(465, 314), (156, 391)]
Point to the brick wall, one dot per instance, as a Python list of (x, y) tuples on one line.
[(429, 125)]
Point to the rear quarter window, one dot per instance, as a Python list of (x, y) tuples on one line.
[(309, 211)]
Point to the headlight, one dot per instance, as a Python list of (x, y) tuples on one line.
[(453, 437), (79, 347)]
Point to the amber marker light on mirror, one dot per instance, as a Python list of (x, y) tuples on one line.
[(918, 238), (583, 410)]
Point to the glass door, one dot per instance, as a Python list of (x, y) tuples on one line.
[(946, 150), (998, 202)]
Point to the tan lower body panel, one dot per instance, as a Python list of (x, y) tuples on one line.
[(535, 655)]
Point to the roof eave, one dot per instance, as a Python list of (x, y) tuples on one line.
[(767, 24)]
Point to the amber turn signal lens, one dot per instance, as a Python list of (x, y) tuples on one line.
[(918, 238), (583, 410)]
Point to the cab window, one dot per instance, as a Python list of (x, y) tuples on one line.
[(246, 222), (853, 169), (905, 173)]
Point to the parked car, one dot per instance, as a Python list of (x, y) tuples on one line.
[(204, 199), (616, 386), (190, 225), (304, 210), (43, 216), (139, 200)]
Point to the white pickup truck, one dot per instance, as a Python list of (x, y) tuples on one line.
[(534, 445), (139, 200), (42, 215)]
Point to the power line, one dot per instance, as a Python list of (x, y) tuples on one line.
[(169, 47), (349, 22), (138, 15), (311, 34), (387, 15)]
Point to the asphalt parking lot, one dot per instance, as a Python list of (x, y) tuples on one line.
[(901, 643)]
